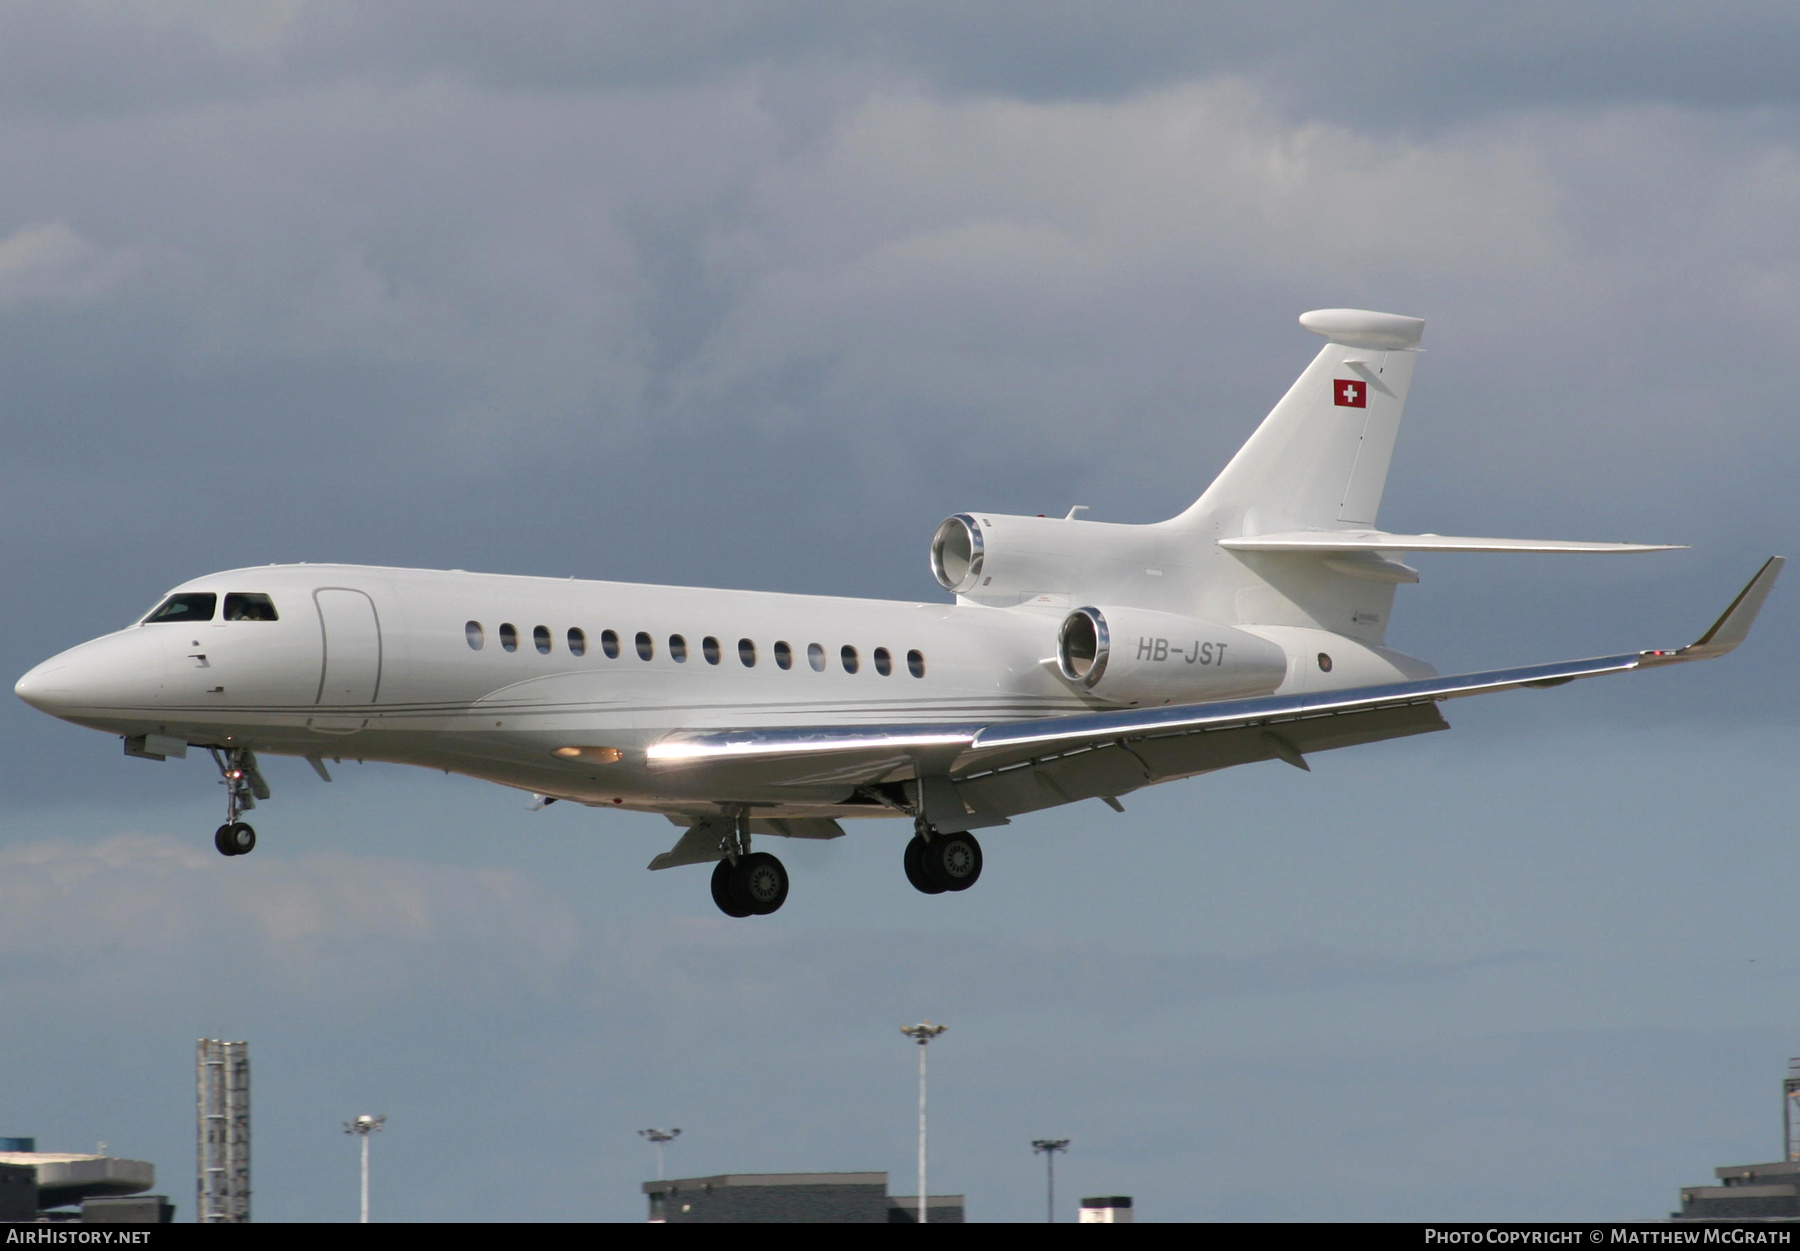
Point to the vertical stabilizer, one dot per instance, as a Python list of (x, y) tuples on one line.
[(1319, 460)]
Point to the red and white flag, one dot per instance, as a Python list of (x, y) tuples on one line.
[(1349, 393)]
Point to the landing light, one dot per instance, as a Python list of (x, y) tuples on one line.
[(594, 755)]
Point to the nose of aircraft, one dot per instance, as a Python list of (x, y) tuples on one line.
[(113, 672), (46, 687)]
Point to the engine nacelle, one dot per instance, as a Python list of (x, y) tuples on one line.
[(1139, 657), (1002, 560)]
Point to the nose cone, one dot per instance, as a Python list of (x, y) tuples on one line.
[(108, 675), (46, 687)]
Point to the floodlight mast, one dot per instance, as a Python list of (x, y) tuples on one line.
[(922, 1034), (1048, 1147), (659, 1137), (362, 1127)]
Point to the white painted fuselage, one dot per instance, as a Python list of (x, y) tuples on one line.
[(402, 680)]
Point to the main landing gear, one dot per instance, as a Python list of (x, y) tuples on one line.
[(938, 862), (747, 883), (244, 785)]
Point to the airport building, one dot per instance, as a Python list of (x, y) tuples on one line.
[(792, 1198), (89, 1189), (1745, 1191), (1755, 1191)]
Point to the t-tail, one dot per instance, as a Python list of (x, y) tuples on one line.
[(1293, 515)]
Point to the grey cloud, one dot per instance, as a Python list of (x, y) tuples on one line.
[(1400, 63)]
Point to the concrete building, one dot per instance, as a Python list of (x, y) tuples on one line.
[(1106, 1210), (1745, 1190), (41, 1185), (18, 1193), (788, 1198)]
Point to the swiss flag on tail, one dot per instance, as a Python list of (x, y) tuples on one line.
[(1349, 393)]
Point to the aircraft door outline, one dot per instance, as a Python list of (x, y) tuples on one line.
[(350, 631)]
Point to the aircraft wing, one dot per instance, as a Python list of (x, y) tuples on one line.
[(996, 771)]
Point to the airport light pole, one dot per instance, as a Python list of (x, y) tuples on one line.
[(922, 1034), (362, 1127), (1048, 1147), (660, 1137)]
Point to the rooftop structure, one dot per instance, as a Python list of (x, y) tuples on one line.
[(1107, 1210), (42, 1185), (759, 1198), (64, 1179), (1745, 1190)]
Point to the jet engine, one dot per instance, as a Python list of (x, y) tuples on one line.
[(1002, 560), (1139, 657)]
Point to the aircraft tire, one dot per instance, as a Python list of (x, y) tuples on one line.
[(236, 839), (952, 860), (721, 891), (760, 883), (915, 868)]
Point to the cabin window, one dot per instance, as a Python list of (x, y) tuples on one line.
[(577, 643), (541, 636), (784, 656), (709, 648), (884, 663), (678, 649), (848, 656), (915, 663), (509, 637), (646, 646), (189, 606), (247, 606), (815, 656), (476, 636), (609, 643), (747, 653)]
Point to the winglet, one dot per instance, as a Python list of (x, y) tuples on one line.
[(1733, 625)]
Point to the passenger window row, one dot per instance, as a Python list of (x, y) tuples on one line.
[(710, 650)]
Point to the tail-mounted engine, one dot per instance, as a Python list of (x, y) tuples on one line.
[(1138, 657), (1004, 560)]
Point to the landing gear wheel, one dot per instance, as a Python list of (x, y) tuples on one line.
[(955, 859), (915, 868), (721, 890), (948, 862), (234, 838), (760, 883)]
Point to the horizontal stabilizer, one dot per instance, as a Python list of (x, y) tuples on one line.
[(1322, 541)]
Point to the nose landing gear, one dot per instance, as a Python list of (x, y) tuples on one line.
[(234, 838), (244, 785)]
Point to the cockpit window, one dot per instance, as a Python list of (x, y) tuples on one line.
[(188, 606), (245, 606)]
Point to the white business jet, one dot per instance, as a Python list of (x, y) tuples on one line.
[(1080, 660)]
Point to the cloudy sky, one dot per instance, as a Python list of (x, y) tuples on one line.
[(753, 294)]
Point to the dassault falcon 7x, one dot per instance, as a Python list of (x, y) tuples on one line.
[(1080, 660)]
